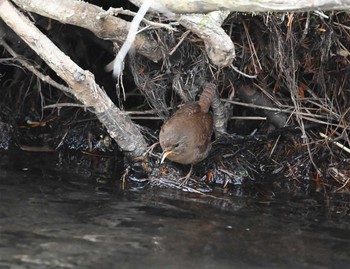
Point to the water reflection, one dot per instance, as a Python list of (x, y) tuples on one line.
[(53, 217)]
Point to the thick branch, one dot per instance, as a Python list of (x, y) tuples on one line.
[(204, 6), (218, 45), (83, 85), (93, 18)]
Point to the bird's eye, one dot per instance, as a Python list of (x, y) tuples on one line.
[(176, 145)]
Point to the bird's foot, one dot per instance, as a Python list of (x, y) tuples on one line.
[(184, 180)]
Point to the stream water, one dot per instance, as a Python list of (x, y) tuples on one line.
[(55, 217)]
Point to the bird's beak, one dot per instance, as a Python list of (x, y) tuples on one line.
[(165, 153)]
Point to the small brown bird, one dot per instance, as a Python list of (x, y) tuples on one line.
[(185, 137)]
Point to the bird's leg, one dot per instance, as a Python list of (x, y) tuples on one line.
[(186, 178)]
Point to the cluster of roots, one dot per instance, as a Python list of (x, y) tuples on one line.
[(300, 64)]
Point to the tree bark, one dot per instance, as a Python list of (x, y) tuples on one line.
[(95, 19), (218, 45), (82, 83), (204, 6)]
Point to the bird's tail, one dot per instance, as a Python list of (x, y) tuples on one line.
[(207, 96)]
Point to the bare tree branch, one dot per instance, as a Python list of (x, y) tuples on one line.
[(82, 83), (95, 19), (204, 6), (218, 45)]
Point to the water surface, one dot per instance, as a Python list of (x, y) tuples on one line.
[(53, 216)]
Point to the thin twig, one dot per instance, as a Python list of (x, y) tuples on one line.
[(182, 38), (60, 105), (341, 146), (25, 63), (284, 109), (116, 11), (241, 73)]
